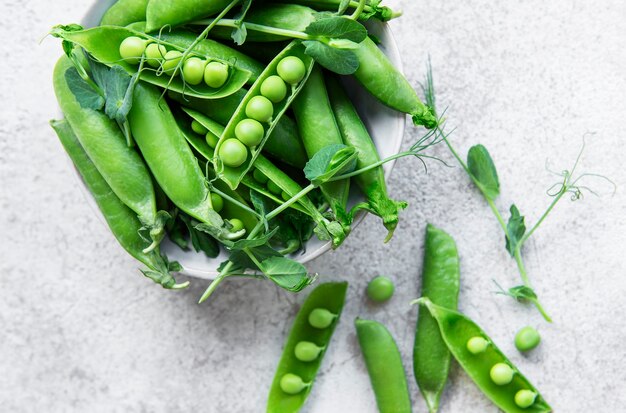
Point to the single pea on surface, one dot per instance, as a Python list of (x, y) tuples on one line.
[(250, 132), (527, 339), (477, 345), (292, 383), (132, 48), (307, 351), (274, 88), (291, 69), (501, 374), (260, 108), (233, 153), (155, 53), (525, 398), (321, 318), (193, 70), (215, 74), (217, 201), (380, 289)]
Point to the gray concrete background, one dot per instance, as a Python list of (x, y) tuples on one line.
[(81, 330)]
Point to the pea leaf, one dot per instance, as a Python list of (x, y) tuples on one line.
[(253, 243), (201, 241), (85, 94), (483, 171), (340, 61), (286, 273), (515, 230), (337, 27), (330, 161), (240, 33)]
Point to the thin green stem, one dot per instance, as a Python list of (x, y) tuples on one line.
[(543, 312), (291, 201), (372, 166), (521, 267), (258, 28), (216, 282), (544, 216), (358, 10), (235, 202), (497, 214)]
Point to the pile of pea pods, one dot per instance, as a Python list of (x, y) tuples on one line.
[(224, 126)]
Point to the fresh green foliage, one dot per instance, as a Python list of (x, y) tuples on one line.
[(483, 171), (341, 61), (523, 293), (85, 94), (515, 230), (337, 28), (330, 161), (240, 33), (286, 273)]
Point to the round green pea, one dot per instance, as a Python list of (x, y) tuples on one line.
[(212, 139), (259, 176), (501, 374), (525, 398), (132, 48), (292, 384), (260, 108), (527, 339), (321, 318), (154, 54), (215, 74), (477, 345), (237, 224), (380, 289), (250, 132), (198, 128), (171, 60), (217, 201), (193, 70), (275, 189), (233, 153), (307, 351), (291, 69), (274, 88)]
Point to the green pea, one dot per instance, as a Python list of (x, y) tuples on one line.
[(259, 176), (477, 345), (274, 88), (233, 153), (154, 54), (527, 339), (275, 189), (193, 70), (132, 48), (260, 108), (237, 224), (215, 74), (217, 201), (171, 61), (250, 132), (292, 384), (321, 318), (291, 69), (198, 128), (380, 289), (285, 196), (525, 398), (501, 374), (212, 139), (307, 351)]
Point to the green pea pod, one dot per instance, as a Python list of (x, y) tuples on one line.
[(372, 9), (162, 13), (385, 82), (329, 296), (103, 43), (384, 365), (440, 283), (371, 182), (122, 220), (170, 159), (103, 141), (234, 175), (318, 129), (456, 330), (124, 12)]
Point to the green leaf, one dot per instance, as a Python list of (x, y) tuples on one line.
[(515, 230), (483, 170), (286, 273), (340, 61), (85, 94), (337, 27), (118, 93), (330, 161), (240, 33), (253, 243), (201, 241)]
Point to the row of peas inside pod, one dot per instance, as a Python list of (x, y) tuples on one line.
[(194, 70)]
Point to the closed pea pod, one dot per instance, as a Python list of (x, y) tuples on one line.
[(456, 330), (124, 12), (384, 365), (440, 283), (160, 13), (330, 296)]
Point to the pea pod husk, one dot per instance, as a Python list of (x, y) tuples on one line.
[(103, 43), (330, 296), (456, 329), (371, 10), (160, 13), (440, 283), (122, 221), (124, 12)]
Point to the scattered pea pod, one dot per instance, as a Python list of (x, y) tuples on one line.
[(440, 283), (122, 220), (124, 12), (304, 350), (384, 365), (485, 363), (103, 43)]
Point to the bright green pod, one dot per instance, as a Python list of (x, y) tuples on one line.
[(103, 43), (370, 11), (160, 13), (440, 283), (125, 12), (331, 296)]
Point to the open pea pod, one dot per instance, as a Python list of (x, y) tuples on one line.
[(234, 175), (103, 43)]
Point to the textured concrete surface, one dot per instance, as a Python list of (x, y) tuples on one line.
[(81, 330)]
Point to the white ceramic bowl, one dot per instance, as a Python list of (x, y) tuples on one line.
[(385, 125)]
